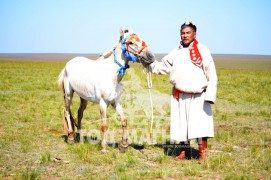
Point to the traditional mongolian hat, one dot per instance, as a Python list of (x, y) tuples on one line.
[(189, 24)]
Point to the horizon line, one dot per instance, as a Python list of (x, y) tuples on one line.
[(73, 53)]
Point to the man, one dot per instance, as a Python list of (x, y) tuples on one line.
[(193, 76)]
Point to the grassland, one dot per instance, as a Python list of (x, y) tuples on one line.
[(32, 144)]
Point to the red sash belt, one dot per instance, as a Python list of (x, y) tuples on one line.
[(176, 93)]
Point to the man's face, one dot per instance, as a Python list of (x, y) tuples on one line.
[(188, 35)]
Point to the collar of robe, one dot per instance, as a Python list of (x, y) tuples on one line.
[(194, 53)]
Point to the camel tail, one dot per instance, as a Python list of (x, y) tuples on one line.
[(61, 79)]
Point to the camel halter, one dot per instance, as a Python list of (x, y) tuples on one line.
[(151, 103), (134, 39)]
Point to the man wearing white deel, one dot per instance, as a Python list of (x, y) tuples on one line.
[(193, 76)]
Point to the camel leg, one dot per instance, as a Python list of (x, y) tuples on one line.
[(124, 143), (81, 109), (83, 105), (69, 121), (104, 125)]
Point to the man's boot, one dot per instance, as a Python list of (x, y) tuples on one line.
[(202, 148), (185, 151)]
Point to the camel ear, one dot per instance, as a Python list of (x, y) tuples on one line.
[(121, 31)]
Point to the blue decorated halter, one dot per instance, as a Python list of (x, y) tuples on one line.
[(125, 52), (133, 38)]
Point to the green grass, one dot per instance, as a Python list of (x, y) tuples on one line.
[(32, 134)]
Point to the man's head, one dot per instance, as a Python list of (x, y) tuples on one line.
[(188, 33)]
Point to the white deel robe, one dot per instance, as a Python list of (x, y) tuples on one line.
[(191, 115)]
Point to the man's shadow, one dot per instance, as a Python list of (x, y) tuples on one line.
[(172, 149), (169, 149)]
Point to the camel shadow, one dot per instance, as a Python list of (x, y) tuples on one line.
[(169, 149)]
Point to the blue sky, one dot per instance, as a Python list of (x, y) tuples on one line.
[(91, 26)]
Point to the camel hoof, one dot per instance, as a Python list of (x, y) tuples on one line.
[(104, 151), (123, 148), (70, 141)]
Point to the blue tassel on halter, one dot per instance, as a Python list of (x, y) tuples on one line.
[(122, 69)]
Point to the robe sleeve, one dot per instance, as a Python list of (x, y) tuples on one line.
[(210, 73), (163, 66)]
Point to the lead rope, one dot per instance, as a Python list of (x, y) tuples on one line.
[(150, 86)]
